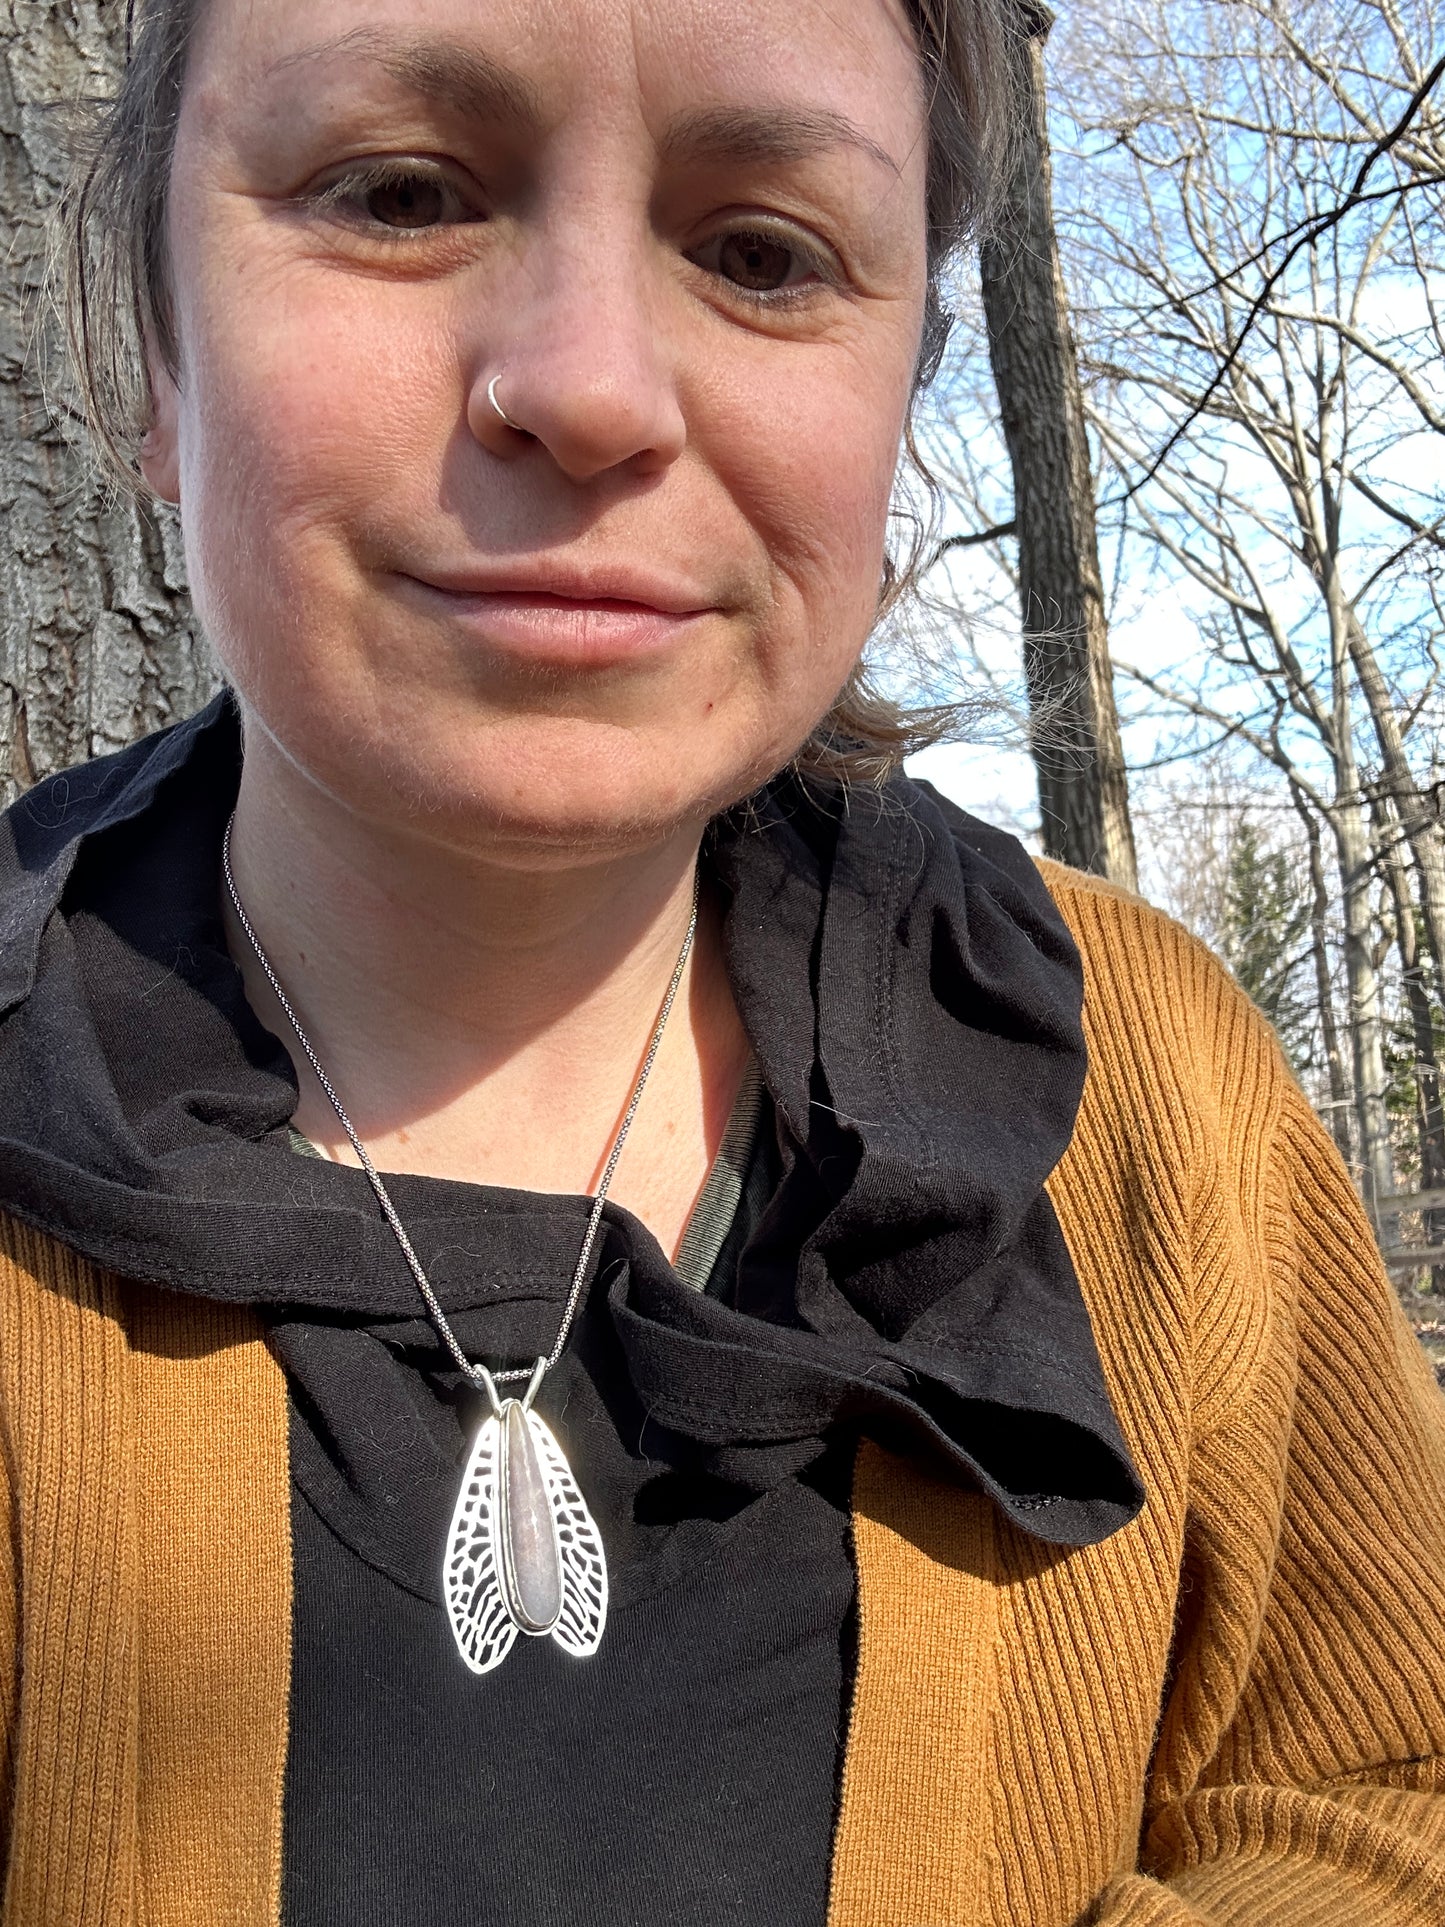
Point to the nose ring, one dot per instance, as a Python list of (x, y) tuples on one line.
[(502, 413)]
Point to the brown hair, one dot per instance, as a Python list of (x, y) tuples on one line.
[(114, 292)]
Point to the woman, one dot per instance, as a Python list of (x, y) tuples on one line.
[(840, 1524)]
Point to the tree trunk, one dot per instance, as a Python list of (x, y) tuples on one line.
[(1414, 808), (1372, 1123), (1358, 854), (1339, 1118), (97, 639), (1083, 788)]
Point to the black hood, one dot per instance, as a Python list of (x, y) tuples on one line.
[(913, 999)]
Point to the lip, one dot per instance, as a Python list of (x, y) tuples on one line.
[(563, 618), (588, 587)]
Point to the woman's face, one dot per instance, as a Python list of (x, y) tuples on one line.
[(686, 240)]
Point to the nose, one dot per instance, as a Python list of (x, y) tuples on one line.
[(577, 358)]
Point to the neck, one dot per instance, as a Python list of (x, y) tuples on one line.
[(485, 1020)]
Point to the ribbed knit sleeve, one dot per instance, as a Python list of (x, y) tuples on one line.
[(69, 1689), (9, 1633), (1298, 1777), (145, 1583), (1230, 1713)]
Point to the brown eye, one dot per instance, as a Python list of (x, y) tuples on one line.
[(412, 202), (755, 261), (391, 198)]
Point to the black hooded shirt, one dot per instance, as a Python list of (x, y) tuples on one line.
[(913, 1003)]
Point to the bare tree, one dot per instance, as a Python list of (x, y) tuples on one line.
[(1337, 1103), (1260, 349), (1343, 809), (1083, 787)]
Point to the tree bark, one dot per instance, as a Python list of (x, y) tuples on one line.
[(1083, 787), (97, 640), (1339, 1117), (1366, 1026)]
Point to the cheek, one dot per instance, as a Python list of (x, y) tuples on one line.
[(297, 421), (812, 459)]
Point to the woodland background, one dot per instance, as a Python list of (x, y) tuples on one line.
[(1185, 567)]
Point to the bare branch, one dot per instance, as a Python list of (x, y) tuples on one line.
[(1307, 234)]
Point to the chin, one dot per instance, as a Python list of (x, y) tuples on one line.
[(559, 790)]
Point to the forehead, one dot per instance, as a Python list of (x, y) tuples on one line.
[(855, 59)]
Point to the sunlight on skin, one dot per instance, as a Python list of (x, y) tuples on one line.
[(496, 682), (332, 406)]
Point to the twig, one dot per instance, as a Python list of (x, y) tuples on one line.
[(1306, 237)]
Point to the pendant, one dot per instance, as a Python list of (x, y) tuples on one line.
[(524, 1554)]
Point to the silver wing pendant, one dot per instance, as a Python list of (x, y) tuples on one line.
[(523, 1554), (483, 1627), (584, 1567)]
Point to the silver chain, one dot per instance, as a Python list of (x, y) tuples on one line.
[(478, 1374)]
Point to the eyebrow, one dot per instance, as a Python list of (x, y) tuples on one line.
[(440, 70), (778, 134), (484, 89)]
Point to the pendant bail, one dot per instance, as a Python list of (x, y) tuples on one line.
[(483, 1378), (538, 1372)]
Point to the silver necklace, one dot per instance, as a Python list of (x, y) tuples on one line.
[(523, 1554)]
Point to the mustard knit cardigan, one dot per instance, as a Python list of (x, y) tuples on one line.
[(1232, 1712)]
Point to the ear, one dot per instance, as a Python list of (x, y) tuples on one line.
[(159, 452)]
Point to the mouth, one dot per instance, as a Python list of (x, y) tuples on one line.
[(606, 621)]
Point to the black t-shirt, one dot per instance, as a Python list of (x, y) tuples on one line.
[(685, 1773)]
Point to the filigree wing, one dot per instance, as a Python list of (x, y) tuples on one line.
[(483, 1627), (584, 1565)]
